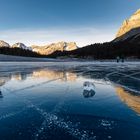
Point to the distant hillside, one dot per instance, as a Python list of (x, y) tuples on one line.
[(19, 52), (11, 58)]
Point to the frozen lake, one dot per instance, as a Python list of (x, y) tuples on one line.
[(69, 101)]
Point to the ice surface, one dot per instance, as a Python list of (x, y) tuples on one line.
[(50, 100)]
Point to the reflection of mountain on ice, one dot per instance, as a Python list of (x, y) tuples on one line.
[(89, 89), (1, 96), (53, 74), (4, 79), (128, 98), (46, 74), (20, 76), (2, 82)]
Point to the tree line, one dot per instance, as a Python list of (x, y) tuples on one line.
[(19, 52)]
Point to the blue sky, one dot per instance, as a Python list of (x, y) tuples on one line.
[(47, 21)]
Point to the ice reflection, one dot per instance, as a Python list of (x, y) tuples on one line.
[(131, 99), (89, 89), (1, 96), (20, 76), (3, 80), (48, 74), (54, 74)]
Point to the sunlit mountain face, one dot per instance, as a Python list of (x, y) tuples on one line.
[(69, 99), (132, 23), (130, 29)]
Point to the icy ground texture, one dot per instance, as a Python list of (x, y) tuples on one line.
[(69, 101)]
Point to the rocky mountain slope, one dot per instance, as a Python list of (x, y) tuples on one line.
[(130, 29), (21, 45), (60, 46), (4, 44)]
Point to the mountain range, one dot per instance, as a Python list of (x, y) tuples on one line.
[(43, 50)]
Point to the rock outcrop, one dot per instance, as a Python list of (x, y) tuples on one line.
[(21, 45), (49, 49), (130, 27), (4, 44)]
